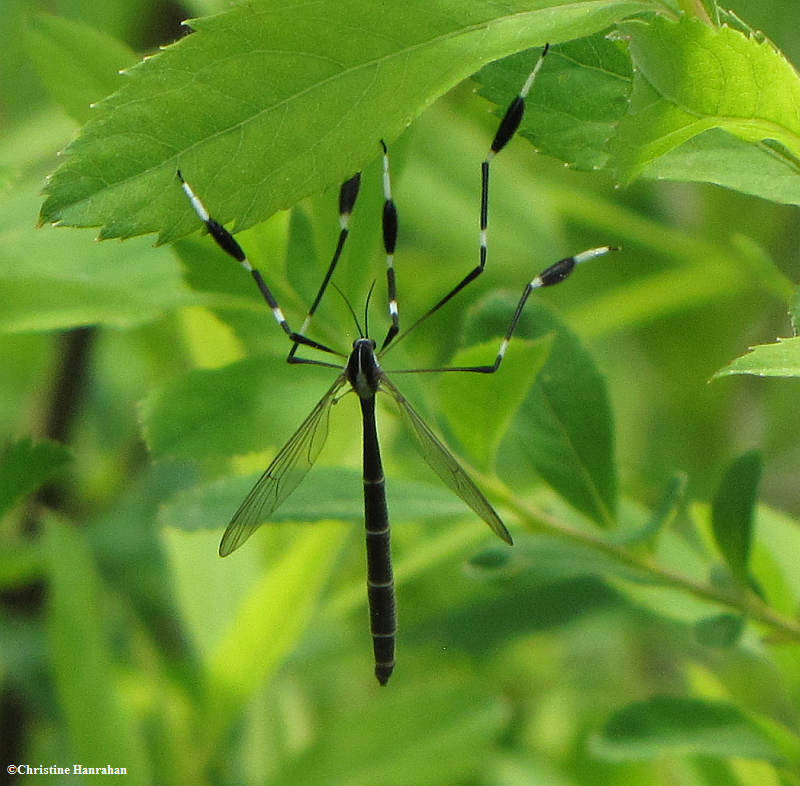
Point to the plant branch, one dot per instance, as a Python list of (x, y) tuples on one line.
[(745, 602)]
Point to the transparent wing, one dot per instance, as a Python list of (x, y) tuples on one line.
[(445, 465), (283, 475)]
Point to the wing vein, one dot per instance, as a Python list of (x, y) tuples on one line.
[(283, 475)]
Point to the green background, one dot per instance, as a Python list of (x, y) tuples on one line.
[(126, 641)]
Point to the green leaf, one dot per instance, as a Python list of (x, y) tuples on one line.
[(327, 494), (268, 624), (671, 501), (206, 589), (20, 565), (579, 96), (721, 630), (673, 724), (361, 747), (781, 359), (302, 264), (733, 508), (479, 411), (711, 11), (266, 103), (24, 467), (244, 406), (53, 279), (692, 78), (77, 64), (715, 156), (563, 430), (98, 718), (773, 562)]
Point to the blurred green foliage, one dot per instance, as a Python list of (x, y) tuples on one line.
[(642, 630)]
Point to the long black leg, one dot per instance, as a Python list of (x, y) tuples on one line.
[(228, 244), (554, 274), (380, 582), (347, 199), (505, 131), (389, 242)]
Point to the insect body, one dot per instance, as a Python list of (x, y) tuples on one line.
[(362, 374)]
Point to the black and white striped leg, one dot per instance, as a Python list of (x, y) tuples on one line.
[(228, 244), (389, 242), (554, 274), (347, 199), (505, 131)]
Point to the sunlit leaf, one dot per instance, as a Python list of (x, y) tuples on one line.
[(692, 78), (268, 103), (781, 359), (267, 625)]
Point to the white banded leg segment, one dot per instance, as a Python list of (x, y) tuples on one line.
[(198, 206), (484, 208), (224, 239), (387, 180), (526, 88), (505, 131), (228, 244), (280, 319), (277, 313), (593, 253), (513, 116), (507, 128), (347, 199), (501, 353), (554, 274), (390, 224)]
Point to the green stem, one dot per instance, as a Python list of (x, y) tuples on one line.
[(747, 603), (696, 9)]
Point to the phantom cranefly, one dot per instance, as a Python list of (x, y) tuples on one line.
[(360, 372)]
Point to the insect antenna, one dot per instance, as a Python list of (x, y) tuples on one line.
[(366, 308), (361, 333)]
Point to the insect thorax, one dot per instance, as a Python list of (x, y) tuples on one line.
[(363, 369)]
